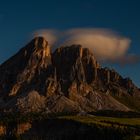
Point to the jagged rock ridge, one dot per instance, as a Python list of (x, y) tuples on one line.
[(69, 79)]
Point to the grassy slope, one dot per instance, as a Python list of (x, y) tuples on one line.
[(105, 121), (102, 121), (111, 125)]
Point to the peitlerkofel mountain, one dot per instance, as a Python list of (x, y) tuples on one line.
[(66, 80)]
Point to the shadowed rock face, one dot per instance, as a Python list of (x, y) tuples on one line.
[(70, 79)]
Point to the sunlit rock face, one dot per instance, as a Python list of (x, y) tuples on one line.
[(67, 80), (25, 67)]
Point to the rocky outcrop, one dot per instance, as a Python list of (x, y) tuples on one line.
[(33, 102), (69, 79)]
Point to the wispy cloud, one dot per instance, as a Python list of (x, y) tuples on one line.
[(128, 59), (49, 34), (105, 44)]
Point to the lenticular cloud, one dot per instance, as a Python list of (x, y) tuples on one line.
[(105, 44)]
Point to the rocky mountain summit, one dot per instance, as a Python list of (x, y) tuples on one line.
[(66, 80)]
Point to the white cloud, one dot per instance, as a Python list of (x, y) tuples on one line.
[(105, 44)]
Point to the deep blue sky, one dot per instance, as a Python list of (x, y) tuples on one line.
[(18, 19)]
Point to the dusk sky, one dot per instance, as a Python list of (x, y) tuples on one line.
[(19, 19)]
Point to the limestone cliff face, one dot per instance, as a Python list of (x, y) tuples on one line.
[(74, 64), (69, 79)]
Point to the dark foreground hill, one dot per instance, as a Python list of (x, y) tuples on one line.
[(66, 80), (70, 127)]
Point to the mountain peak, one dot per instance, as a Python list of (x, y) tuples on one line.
[(38, 46), (69, 79), (40, 42), (74, 50)]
